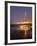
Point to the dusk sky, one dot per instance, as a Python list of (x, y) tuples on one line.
[(18, 14)]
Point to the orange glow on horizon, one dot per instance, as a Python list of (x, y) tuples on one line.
[(24, 22)]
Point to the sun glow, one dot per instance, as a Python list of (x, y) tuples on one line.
[(21, 27), (24, 27)]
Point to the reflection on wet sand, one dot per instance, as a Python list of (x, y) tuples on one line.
[(21, 31)]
